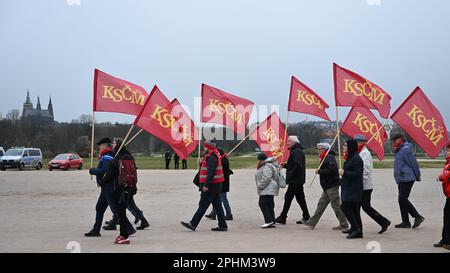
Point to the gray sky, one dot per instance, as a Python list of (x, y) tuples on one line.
[(249, 48)]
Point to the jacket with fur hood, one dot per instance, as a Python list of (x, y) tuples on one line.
[(264, 177)]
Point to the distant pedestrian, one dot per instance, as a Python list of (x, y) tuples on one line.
[(295, 178), (352, 189), (168, 157), (406, 173), (210, 184), (445, 179), (176, 161), (225, 188), (329, 181), (184, 164), (365, 155)]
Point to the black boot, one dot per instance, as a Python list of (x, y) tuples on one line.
[(144, 224), (355, 234), (211, 216), (110, 227), (281, 220), (92, 233)]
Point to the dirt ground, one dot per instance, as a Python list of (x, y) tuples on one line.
[(44, 211)]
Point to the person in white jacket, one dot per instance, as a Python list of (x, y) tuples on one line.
[(368, 185)]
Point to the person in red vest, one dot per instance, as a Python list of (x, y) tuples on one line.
[(445, 179), (210, 182)]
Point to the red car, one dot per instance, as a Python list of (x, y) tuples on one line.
[(65, 162)]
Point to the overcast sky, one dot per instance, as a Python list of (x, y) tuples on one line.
[(249, 48)]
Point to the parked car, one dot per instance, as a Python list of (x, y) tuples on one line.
[(66, 162), (21, 158)]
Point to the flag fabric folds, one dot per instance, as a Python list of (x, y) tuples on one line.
[(363, 121), (112, 94), (351, 89), (270, 137), (423, 122), (187, 129), (223, 108), (303, 99)]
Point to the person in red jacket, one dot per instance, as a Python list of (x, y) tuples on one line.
[(445, 179)]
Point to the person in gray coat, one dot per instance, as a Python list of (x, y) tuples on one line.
[(267, 187)]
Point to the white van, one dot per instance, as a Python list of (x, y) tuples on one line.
[(22, 158)]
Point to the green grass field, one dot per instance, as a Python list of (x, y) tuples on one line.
[(249, 161)]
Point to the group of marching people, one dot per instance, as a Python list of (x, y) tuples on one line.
[(117, 177), (355, 181)]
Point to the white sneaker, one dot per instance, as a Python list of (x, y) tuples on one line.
[(268, 225)]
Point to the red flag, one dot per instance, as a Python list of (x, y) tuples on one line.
[(423, 122), (350, 89), (270, 136), (303, 99), (223, 108), (157, 119), (188, 128), (112, 94), (363, 121)]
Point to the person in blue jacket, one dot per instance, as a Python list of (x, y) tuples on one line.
[(406, 173), (105, 198)]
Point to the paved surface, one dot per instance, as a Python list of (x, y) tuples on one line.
[(43, 211)]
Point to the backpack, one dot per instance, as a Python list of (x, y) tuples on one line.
[(278, 176), (127, 173)]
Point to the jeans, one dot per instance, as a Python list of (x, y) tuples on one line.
[(225, 203), (206, 199), (406, 207), (446, 228), (267, 206), (329, 196), (369, 210), (295, 190), (133, 208), (352, 211), (105, 198)]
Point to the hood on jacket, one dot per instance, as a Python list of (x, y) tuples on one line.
[(124, 154), (352, 148), (272, 160), (296, 146)]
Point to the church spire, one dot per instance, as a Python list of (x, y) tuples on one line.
[(28, 96), (50, 106), (38, 106)]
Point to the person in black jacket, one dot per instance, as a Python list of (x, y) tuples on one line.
[(329, 181), (225, 188), (295, 178), (168, 157), (176, 161), (352, 188), (121, 195)]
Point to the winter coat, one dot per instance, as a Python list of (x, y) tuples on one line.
[(111, 176), (264, 177), (368, 169), (445, 178), (211, 164), (102, 166), (352, 179), (226, 173), (406, 168), (295, 166), (329, 173)]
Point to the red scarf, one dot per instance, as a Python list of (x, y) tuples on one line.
[(345, 156), (322, 155), (398, 145), (104, 151), (360, 148)]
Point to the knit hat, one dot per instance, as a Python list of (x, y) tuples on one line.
[(105, 140), (261, 156), (397, 136)]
